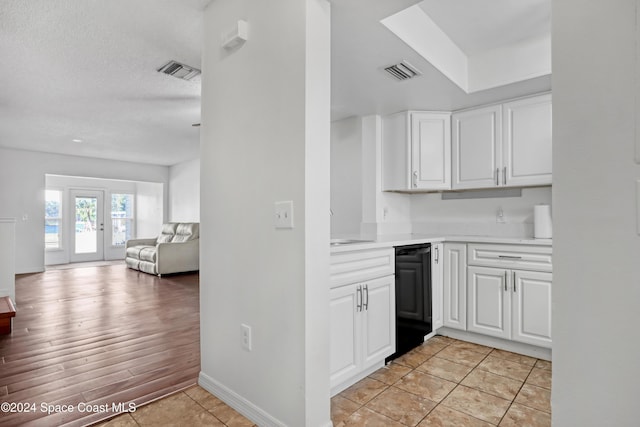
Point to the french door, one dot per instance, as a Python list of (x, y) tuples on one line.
[(87, 225)]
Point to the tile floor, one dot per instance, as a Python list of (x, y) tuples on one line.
[(191, 407), (444, 382)]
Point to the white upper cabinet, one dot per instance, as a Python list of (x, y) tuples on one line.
[(506, 145), (476, 147), (416, 151), (527, 141)]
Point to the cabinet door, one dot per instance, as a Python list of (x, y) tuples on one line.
[(527, 141), (489, 304), (476, 148), (437, 278), (378, 320), (531, 310), (430, 151), (455, 286), (411, 278), (345, 325)]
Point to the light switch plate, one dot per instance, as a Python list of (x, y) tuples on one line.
[(283, 215), (638, 206)]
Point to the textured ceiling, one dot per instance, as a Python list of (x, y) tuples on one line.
[(87, 70), (361, 47)]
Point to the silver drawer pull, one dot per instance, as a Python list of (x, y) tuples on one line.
[(509, 257)]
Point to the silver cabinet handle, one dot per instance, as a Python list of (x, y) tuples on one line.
[(504, 176), (514, 281), (437, 255), (415, 178), (366, 292), (497, 176), (505, 281), (359, 299), (509, 257)]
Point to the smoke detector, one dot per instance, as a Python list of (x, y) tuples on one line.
[(402, 71), (181, 71)]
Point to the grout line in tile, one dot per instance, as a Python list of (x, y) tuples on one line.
[(516, 395), (458, 383)]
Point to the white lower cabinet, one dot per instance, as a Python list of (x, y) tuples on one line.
[(362, 322), (510, 303), (362, 328), (378, 320), (345, 327), (454, 289), (531, 308), (437, 281), (489, 307)]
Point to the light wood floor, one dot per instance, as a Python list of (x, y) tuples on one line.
[(98, 335)]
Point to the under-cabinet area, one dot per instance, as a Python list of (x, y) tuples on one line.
[(494, 292)]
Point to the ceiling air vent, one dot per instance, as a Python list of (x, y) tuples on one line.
[(181, 71), (402, 71)]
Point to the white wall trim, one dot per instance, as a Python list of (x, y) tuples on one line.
[(351, 381), (499, 343), (237, 402)]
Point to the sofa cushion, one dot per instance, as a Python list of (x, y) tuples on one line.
[(148, 254), (142, 253), (186, 231), (167, 233)]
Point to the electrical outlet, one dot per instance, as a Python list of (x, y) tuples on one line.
[(283, 215), (246, 337), (500, 216)]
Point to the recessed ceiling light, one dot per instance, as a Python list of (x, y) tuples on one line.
[(77, 140)]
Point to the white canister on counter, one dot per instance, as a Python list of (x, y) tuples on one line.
[(542, 228)]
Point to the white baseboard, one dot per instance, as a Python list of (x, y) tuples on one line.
[(237, 402), (499, 343), (351, 381)]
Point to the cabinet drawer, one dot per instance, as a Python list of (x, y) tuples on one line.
[(519, 257), (356, 266)]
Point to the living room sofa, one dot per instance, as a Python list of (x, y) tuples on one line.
[(175, 250)]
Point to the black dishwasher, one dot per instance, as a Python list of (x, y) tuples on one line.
[(413, 297)]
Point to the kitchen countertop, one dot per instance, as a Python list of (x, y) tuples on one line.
[(391, 240)]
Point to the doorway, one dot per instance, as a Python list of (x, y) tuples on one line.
[(87, 236)]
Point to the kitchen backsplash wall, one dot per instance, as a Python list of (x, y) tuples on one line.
[(360, 208), (431, 214)]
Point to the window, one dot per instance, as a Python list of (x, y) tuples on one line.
[(121, 218), (53, 219)]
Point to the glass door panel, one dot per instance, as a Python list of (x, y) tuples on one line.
[(88, 227)]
